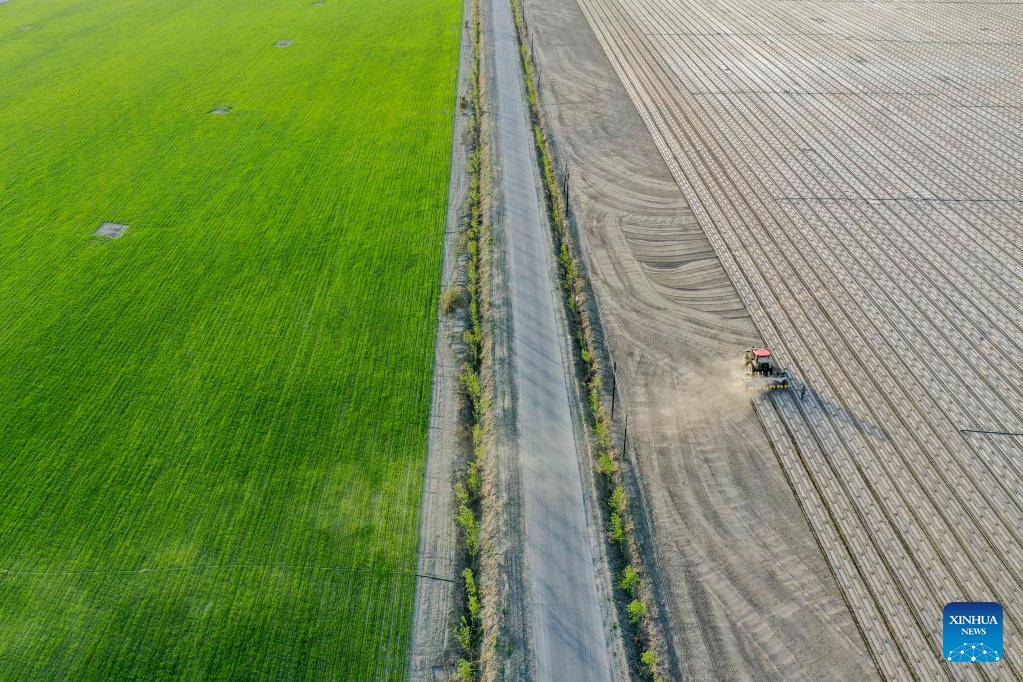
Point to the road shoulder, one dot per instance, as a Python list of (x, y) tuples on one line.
[(432, 652)]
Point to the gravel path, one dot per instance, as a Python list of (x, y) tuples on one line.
[(566, 625), (856, 166)]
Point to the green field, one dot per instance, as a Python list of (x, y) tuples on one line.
[(213, 428)]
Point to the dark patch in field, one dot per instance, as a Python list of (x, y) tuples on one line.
[(111, 230), (282, 43), (225, 109)]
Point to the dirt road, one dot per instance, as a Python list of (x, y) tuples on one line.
[(567, 631), (432, 652), (857, 166), (748, 593)]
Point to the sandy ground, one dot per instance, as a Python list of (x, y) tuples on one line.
[(857, 167), (568, 636), (112, 230), (433, 649), (745, 587)]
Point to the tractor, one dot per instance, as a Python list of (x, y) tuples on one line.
[(762, 373)]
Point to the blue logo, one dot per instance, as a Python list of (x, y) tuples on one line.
[(971, 632)]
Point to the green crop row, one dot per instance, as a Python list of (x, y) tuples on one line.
[(213, 428)]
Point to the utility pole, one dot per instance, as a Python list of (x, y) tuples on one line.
[(614, 386), (625, 438)]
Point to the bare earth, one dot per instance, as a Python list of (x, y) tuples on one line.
[(748, 593), (858, 168), (433, 650)]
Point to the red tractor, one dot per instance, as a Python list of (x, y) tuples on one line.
[(762, 372)]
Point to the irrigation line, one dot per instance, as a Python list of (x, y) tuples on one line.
[(205, 567), (991, 433)]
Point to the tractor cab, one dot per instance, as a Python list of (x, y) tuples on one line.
[(762, 372), (760, 361)]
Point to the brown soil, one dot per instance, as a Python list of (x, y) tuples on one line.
[(743, 585)]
